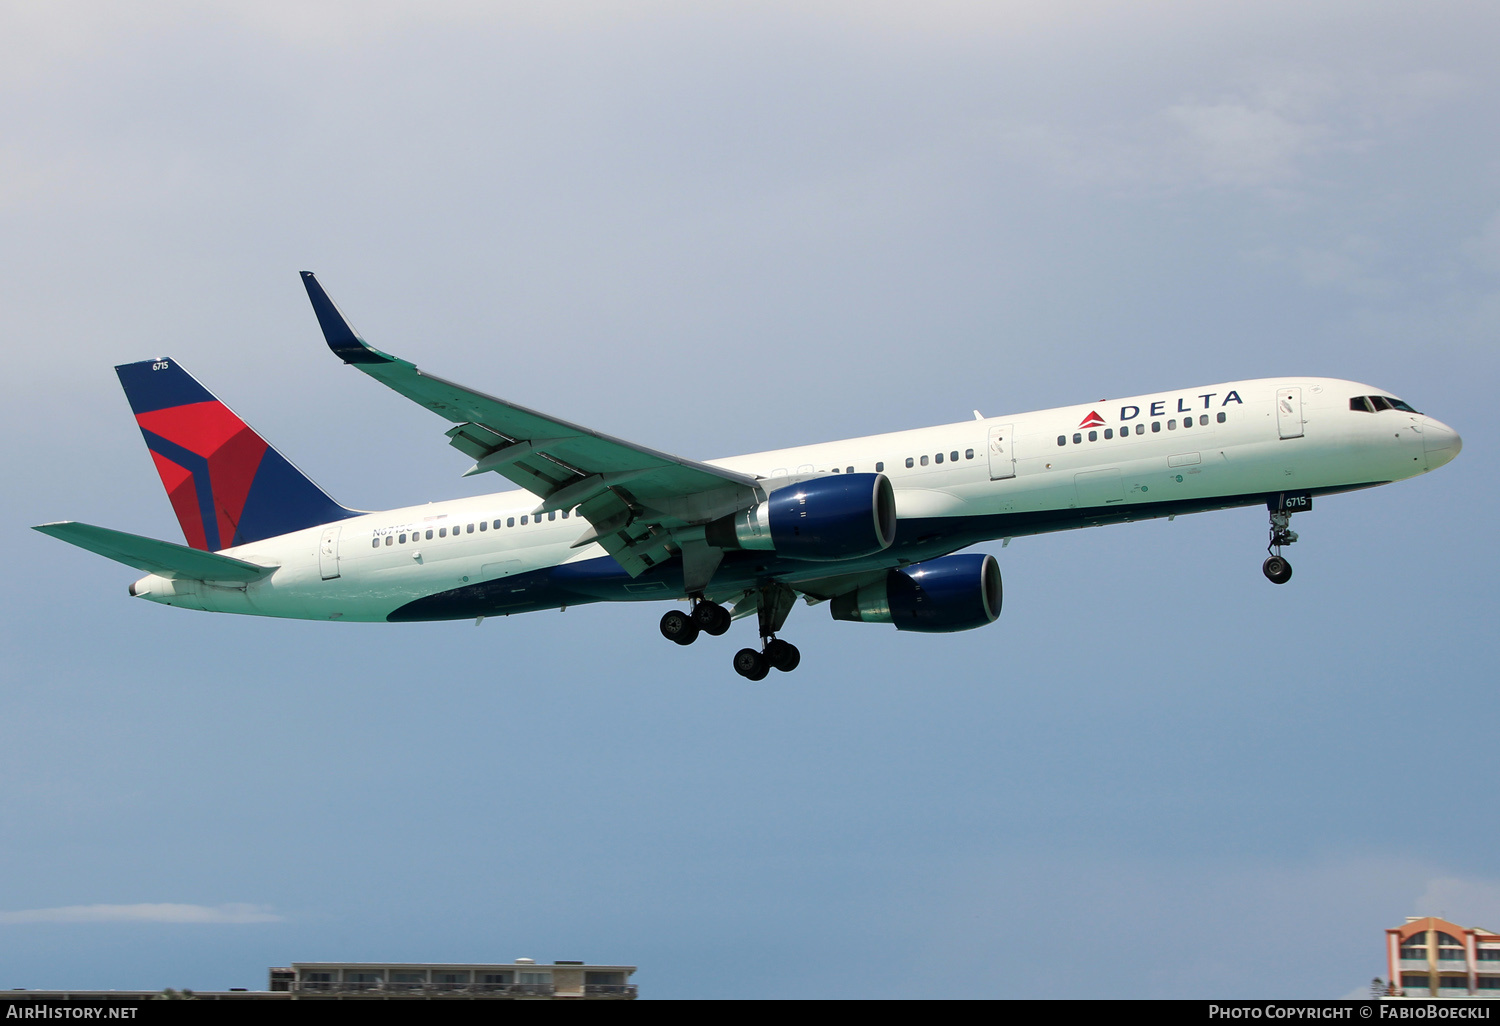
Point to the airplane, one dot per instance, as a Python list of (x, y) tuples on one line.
[(872, 526)]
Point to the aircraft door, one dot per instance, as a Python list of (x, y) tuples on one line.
[(1289, 412), (328, 553), (1002, 452)]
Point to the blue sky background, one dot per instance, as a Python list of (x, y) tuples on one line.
[(718, 228)]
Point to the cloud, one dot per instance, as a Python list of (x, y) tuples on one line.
[(1235, 144), (161, 912)]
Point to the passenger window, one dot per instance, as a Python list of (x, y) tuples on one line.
[(389, 540), (968, 454), (1077, 438), (1203, 420), (471, 529), (510, 521), (552, 515), (1155, 426), (484, 525), (401, 540), (374, 543), (1093, 436), (429, 534), (939, 457), (565, 513), (1221, 418), (848, 470), (523, 521), (496, 525), (879, 467), (442, 532), (1140, 429), (1109, 433), (835, 470), (1062, 439), (954, 455), (924, 461), (908, 462), (1187, 422), (1172, 424)]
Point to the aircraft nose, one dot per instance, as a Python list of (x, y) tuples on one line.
[(1440, 442)]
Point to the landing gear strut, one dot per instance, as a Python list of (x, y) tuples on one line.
[(705, 617), (773, 603), (1276, 568)]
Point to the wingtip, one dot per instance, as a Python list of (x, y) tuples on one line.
[(340, 336)]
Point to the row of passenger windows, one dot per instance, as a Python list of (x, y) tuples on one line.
[(442, 532), (1140, 429), (1376, 403), (912, 461)]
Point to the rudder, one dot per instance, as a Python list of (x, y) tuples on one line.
[(227, 485)]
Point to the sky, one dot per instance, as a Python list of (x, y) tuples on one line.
[(721, 228)]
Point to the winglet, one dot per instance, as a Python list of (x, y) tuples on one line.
[(342, 339)]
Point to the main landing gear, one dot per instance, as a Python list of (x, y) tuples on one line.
[(1276, 568), (772, 604)]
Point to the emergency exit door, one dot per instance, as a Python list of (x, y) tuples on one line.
[(1289, 412), (328, 554), (1002, 452)]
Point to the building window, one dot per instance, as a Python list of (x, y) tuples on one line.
[(1413, 981), (1486, 954), (1489, 983), (1454, 983)]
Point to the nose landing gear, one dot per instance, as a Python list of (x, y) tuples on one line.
[(1276, 567)]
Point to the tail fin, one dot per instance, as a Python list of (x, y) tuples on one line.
[(228, 486)]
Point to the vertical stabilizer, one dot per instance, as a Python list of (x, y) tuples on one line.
[(228, 486)]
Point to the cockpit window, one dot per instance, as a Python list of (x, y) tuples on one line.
[(1377, 403)]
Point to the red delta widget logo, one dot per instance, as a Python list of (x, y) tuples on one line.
[(1159, 408)]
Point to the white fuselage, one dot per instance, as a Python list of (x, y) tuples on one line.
[(1134, 460)]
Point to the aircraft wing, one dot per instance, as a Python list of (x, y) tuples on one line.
[(634, 497)]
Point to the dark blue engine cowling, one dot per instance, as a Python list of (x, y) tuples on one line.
[(840, 516), (939, 596), (835, 517)]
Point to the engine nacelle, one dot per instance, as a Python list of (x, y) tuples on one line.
[(939, 596), (840, 516)]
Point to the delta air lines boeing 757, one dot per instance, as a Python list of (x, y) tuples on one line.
[(872, 526)]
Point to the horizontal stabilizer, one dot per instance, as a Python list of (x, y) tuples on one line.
[(162, 558)]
